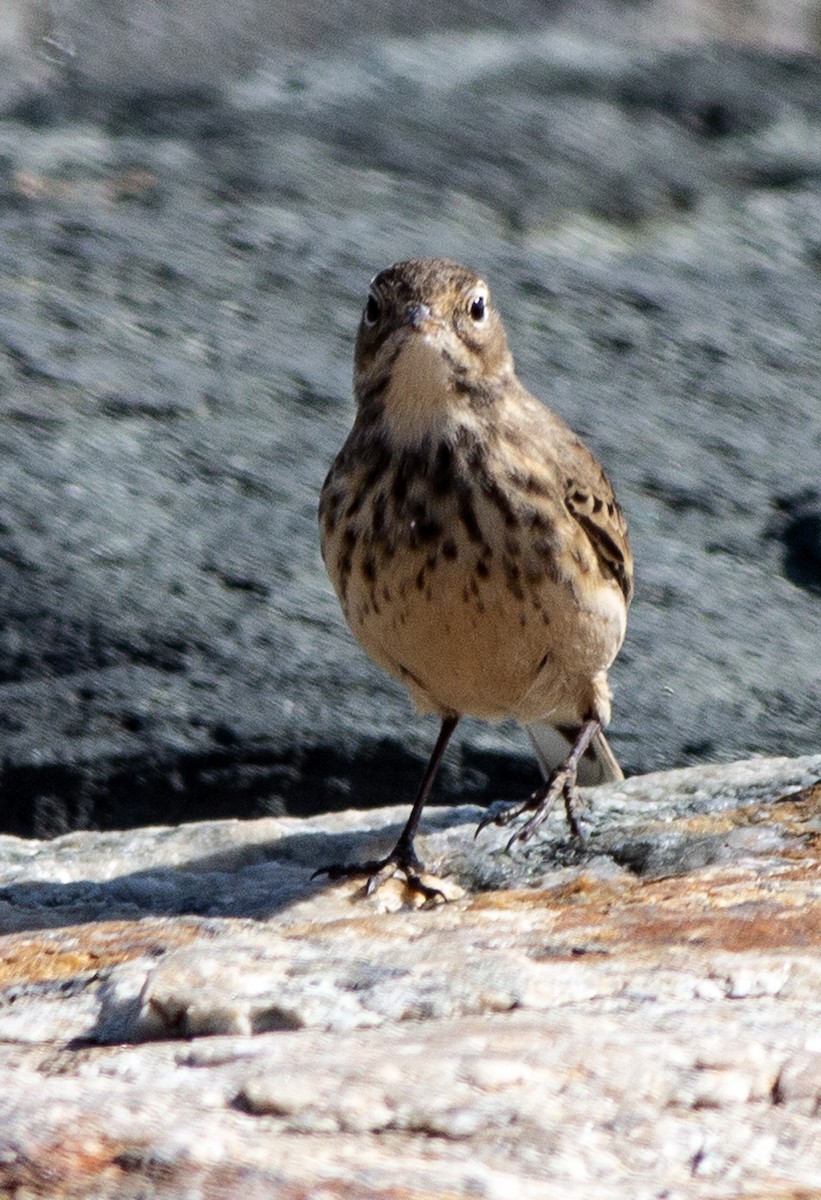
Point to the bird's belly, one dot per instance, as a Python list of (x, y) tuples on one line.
[(484, 643)]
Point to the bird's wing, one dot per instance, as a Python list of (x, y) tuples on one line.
[(555, 453), (590, 500)]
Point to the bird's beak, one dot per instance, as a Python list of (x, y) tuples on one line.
[(418, 316)]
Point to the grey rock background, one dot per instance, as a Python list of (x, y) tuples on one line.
[(185, 241)]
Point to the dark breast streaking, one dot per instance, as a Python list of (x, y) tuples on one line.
[(438, 554)]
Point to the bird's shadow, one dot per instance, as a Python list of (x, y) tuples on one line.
[(259, 880), (253, 882)]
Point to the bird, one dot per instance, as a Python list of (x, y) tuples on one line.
[(475, 545)]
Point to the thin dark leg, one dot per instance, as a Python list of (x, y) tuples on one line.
[(404, 847), (561, 783), (403, 857), (586, 734)]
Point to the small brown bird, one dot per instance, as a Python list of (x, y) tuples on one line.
[(475, 544)]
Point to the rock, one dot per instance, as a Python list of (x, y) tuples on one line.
[(186, 1011), (797, 524)]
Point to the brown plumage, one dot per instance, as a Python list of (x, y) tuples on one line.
[(474, 542)]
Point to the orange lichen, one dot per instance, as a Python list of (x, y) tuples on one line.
[(65, 953)]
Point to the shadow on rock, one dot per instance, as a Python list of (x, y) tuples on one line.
[(252, 881)]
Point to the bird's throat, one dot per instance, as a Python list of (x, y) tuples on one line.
[(419, 394)]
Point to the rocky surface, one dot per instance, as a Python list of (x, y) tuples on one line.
[(184, 1012), (192, 200), (183, 271)]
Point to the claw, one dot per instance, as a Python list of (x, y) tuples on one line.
[(336, 871), (431, 894), (540, 804), (503, 814), (379, 871)]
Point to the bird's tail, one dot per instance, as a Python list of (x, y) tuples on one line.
[(552, 746)]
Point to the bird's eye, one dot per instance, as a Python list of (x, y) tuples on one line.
[(372, 309), (477, 307)]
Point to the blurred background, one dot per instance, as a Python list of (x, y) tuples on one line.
[(193, 198)]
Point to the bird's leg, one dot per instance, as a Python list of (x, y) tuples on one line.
[(562, 782), (403, 857)]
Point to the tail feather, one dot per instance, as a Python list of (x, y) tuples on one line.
[(552, 746)]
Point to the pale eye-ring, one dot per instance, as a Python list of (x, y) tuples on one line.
[(373, 309), (478, 307)]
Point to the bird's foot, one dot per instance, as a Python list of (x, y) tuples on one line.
[(380, 870), (561, 783)]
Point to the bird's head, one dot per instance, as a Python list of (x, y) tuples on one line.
[(429, 343)]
